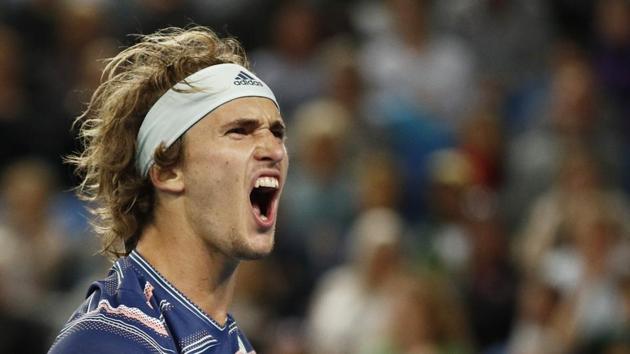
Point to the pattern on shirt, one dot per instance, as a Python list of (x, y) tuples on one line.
[(198, 342), (136, 308), (95, 321)]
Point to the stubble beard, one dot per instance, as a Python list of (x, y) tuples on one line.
[(242, 250)]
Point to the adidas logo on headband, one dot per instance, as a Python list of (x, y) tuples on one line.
[(244, 79)]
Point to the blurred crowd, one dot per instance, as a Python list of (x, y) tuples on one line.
[(459, 170)]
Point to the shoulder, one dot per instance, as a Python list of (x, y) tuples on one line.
[(101, 337), (101, 325), (116, 317)]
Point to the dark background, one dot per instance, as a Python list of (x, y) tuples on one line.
[(459, 170)]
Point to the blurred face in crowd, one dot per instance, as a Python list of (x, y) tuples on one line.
[(12, 95), (27, 187), (234, 168), (595, 236), (414, 318), (379, 182), (579, 174), (538, 302), (296, 30), (613, 22), (409, 19), (573, 97), (323, 154)]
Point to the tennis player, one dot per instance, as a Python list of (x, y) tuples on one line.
[(184, 164)]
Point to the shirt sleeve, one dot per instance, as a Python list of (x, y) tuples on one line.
[(96, 341)]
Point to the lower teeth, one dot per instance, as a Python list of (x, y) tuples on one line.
[(263, 218)]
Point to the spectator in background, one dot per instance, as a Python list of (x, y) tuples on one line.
[(533, 331), (63, 69), (576, 241), (378, 179), (351, 304), (291, 64), (14, 108), (34, 243), (90, 66), (258, 303), (52, 36), (612, 52), (425, 319), (480, 138), (43, 258), (491, 280), (442, 239), (573, 118), (504, 35), (592, 306), (420, 84), (578, 180), (346, 86), (411, 63), (618, 342), (611, 55), (320, 201), (463, 237), (320, 196)]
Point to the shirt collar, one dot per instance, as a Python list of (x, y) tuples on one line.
[(175, 294)]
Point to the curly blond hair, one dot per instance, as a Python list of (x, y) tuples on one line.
[(121, 200)]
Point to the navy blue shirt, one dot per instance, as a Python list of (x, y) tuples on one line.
[(136, 310)]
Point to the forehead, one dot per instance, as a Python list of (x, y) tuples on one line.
[(258, 108)]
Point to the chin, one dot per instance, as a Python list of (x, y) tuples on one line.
[(260, 247), (252, 254)]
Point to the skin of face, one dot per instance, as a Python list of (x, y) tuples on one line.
[(224, 154)]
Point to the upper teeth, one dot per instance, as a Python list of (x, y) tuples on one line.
[(270, 182)]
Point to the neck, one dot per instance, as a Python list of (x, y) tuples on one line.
[(198, 271)]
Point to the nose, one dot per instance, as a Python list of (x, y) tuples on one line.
[(270, 147)]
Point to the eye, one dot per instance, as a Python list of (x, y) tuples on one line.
[(278, 131)]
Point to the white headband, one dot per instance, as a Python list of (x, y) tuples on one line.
[(175, 112)]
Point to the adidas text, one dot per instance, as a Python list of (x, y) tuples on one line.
[(247, 82), (245, 79)]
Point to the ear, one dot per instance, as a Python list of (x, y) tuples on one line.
[(169, 179)]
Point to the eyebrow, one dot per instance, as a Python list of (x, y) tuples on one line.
[(252, 123), (242, 122)]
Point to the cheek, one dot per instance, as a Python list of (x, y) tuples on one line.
[(285, 162), (202, 177), (212, 178)]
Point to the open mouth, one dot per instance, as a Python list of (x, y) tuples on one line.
[(262, 198)]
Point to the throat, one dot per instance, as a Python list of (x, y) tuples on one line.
[(203, 275)]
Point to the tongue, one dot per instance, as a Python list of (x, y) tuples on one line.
[(257, 210), (258, 213)]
